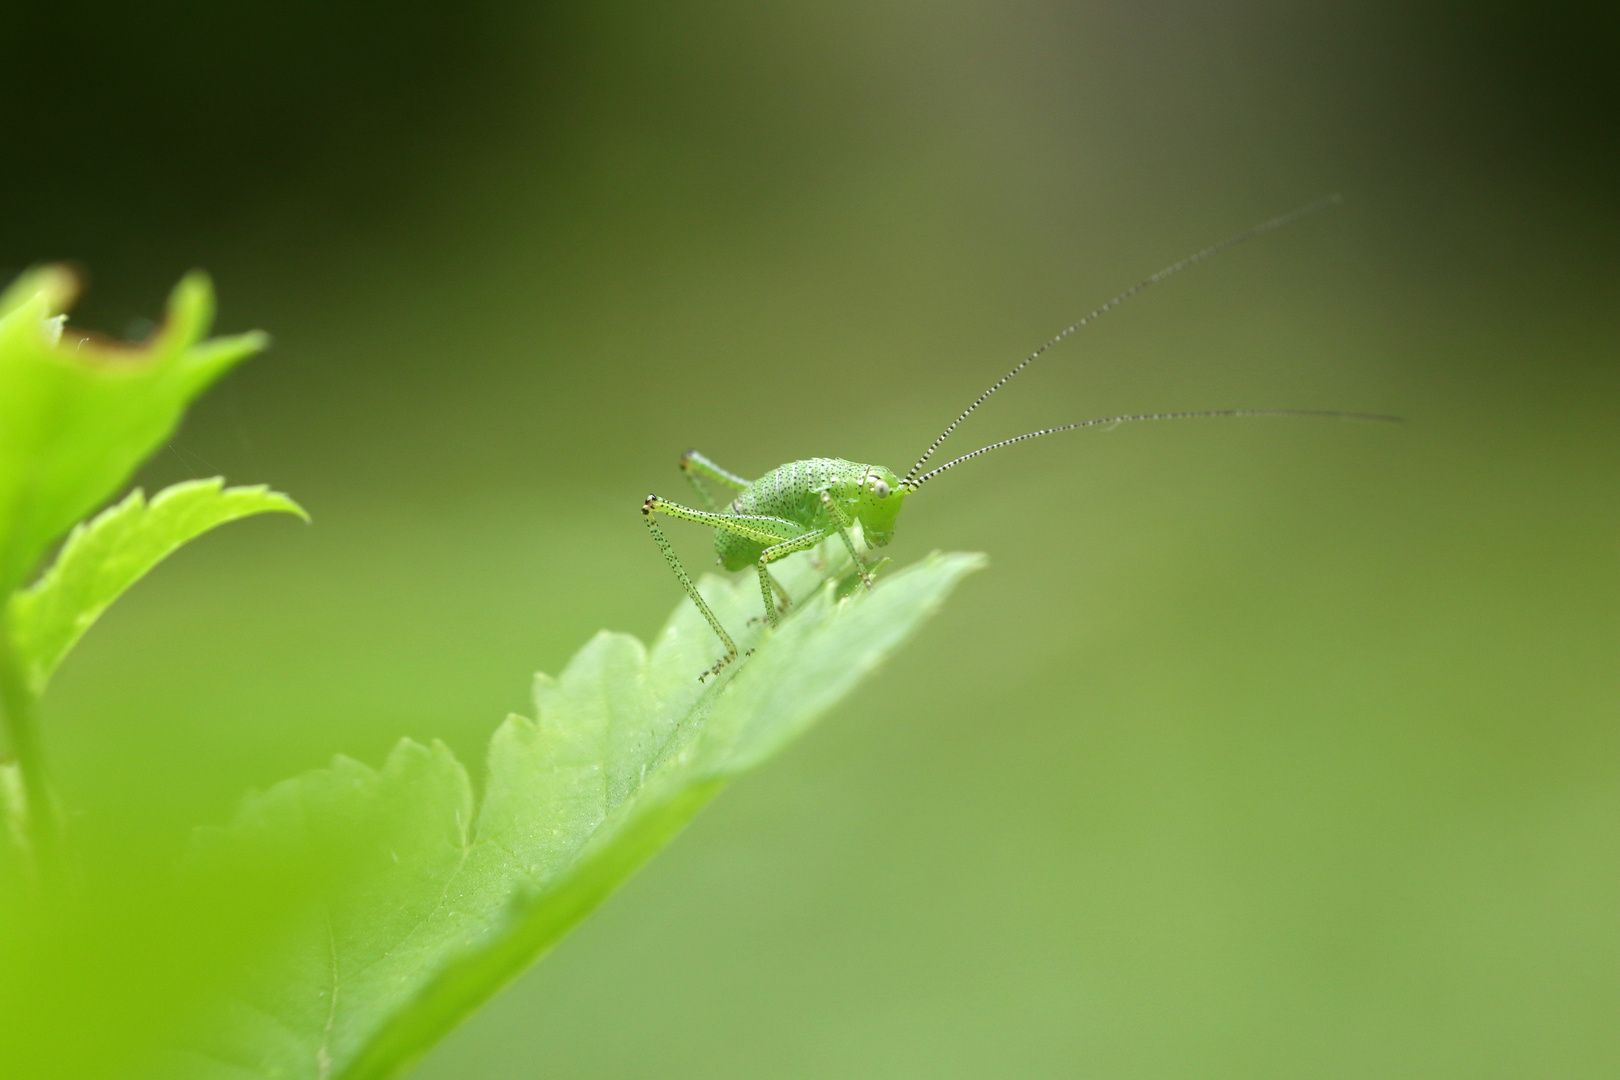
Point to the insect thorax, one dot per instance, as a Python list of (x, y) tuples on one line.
[(791, 492)]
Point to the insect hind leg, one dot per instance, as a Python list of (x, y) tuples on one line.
[(691, 590)]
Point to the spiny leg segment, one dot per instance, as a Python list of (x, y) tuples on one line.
[(691, 590), (780, 551), (760, 529), (767, 585), (841, 522)]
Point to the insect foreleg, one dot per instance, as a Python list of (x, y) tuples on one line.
[(691, 590), (694, 465), (781, 591), (767, 585), (841, 522)]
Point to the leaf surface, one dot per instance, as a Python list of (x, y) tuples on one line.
[(438, 901), (107, 555)]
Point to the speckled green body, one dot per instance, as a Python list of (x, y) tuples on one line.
[(793, 493), (790, 509)]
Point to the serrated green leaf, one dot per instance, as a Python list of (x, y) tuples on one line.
[(440, 905), (107, 555), (78, 414)]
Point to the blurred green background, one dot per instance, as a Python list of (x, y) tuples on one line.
[(1263, 749)]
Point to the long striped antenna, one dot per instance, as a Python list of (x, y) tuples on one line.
[(913, 485), (1174, 268)]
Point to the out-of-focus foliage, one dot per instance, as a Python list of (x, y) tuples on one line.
[(443, 898), (78, 414), (107, 555)]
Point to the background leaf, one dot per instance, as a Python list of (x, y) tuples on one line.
[(437, 907), (104, 557), (78, 414)]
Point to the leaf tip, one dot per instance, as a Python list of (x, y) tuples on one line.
[(190, 311), (277, 502), (53, 287)]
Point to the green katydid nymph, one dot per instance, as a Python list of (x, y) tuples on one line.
[(796, 506)]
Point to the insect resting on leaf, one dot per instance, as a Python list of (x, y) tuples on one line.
[(796, 506)]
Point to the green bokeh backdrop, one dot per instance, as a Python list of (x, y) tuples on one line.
[(1263, 749)]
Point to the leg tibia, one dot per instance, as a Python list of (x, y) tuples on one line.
[(841, 522), (782, 551), (691, 590), (786, 601), (765, 584)]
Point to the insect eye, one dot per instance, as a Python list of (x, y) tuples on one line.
[(881, 489)]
